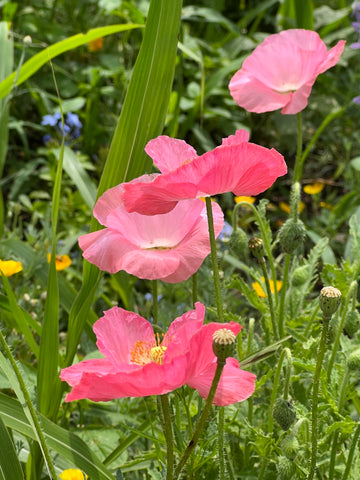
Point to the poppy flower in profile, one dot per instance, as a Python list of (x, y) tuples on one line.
[(168, 247), (235, 166), (138, 363), (281, 71)]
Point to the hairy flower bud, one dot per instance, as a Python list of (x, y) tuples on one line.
[(351, 323), (285, 469), (284, 413), (223, 343), (292, 235), (353, 361), (290, 447), (300, 275), (330, 298), (238, 243)]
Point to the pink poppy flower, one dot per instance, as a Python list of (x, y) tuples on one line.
[(235, 166), (168, 247), (137, 363), (282, 70)]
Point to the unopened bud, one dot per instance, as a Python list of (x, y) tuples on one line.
[(330, 298), (351, 323), (285, 469), (300, 275), (238, 243), (284, 413), (256, 246), (292, 235), (27, 40), (290, 447), (223, 343), (353, 361)]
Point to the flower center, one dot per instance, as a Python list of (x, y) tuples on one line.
[(143, 352)]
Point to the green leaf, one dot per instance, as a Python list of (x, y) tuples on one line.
[(79, 176), (37, 61), (9, 464), (142, 118), (65, 443), (263, 353)]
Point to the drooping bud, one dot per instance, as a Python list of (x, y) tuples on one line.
[(300, 275), (353, 361), (351, 323), (223, 343), (238, 243), (284, 413), (256, 246), (330, 298), (285, 468), (292, 235), (290, 447)]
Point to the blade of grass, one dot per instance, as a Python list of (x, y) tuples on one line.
[(62, 441), (37, 61), (9, 464), (142, 118)]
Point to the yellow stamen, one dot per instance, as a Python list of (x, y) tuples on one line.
[(143, 352)]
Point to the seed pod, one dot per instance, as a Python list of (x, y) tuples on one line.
[(330, 298), (223, 343)]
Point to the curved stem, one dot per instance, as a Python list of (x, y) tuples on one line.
[(202, 420), (315, 398), (283, 294), (30, 406), (214, 259), (165, 406)]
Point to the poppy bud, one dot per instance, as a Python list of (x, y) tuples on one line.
[(238, 243), (330, 298), (351, 323), (290, 447), (284, 413), (285, 469), (292, 235), (223, 343), (353, 361), (300, 275)]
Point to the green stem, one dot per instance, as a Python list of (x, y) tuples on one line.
[(221, 444), (155, 305), (352, 288), (30, 406), (165, 406), (270, 300), (315, 398), (350, 458), (333, 455), (214, 259), (299, 162), (283, 294), (267, 246), (201, 424)]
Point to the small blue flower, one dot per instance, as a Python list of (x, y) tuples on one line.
[(356, 100), (72, 119), (51, 120), (225, 233)]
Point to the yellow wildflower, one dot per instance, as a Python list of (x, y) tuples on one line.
[(95, 45), (259, 290), (314, 188), (9, 267), (243, 198), (72, 474), (286, 208), (61, 261), (325, 205)]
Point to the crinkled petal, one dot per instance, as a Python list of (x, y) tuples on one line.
[(333, 56), (152, 264), (262, 98), (169, 153), (298, 101), (235, 385), (240, 136), (117, 331)]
